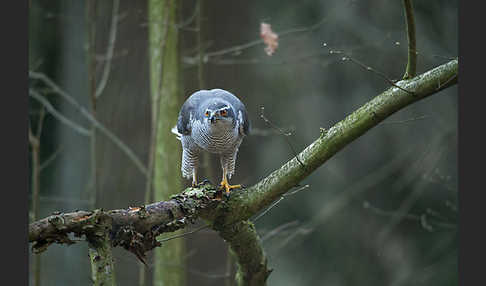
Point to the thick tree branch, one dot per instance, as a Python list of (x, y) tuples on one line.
[(135, 229), (246, 246)]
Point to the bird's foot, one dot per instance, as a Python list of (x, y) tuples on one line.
[(227, 187)]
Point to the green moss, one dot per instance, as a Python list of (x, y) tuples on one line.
[(246, 246)]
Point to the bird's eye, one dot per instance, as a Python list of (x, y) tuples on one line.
[(223, 112), (206, 113)]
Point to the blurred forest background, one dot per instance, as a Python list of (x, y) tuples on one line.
[(383, 211)]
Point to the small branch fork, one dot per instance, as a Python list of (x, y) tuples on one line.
[(110, 49), (136, 228), (278, 201), (347, 57), (282, 132)]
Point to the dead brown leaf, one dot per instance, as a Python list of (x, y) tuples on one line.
[(269, 38)]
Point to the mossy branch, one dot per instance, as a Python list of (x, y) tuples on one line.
[(245, 245), (136, 229), (100, 253)]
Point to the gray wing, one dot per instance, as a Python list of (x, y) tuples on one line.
[(241, 114), (188, 111)]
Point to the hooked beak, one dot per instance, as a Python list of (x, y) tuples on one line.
[(212, 118)]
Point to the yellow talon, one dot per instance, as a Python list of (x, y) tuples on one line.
[(225, 185)]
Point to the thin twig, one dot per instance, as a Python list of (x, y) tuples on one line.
[(279, 229), (368, 68), (278, 201), (432, 155), (34, 145), (239, 48), (191, 18), (122, 146), (192, 61), (262, 115), (422, 218), (191, 271), (109, 50), (301, 231), (296, 191), (449, 80), (411, 69), (40, 122), (278, 129), (81, 130), (293, 59), (49, 160), (269, 132), (184, 234), (268, 209)]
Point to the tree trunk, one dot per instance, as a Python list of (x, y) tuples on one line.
[(164, 86)]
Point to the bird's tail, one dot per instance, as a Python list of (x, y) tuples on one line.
[(177, 134)]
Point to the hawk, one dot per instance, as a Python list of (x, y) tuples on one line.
[(215, 121)]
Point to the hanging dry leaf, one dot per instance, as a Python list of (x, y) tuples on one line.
[(269, 38)]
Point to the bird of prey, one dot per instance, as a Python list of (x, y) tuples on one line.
[(215, 121)]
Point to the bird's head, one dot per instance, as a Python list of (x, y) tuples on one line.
[(218, 113)]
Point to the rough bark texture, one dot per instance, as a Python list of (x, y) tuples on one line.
[(245, 245), (136, 228), (101, 255)]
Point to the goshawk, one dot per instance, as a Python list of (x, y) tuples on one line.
[(215, 121)]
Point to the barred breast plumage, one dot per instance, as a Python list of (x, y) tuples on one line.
[(215, 140)]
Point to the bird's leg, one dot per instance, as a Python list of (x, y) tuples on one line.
[(194, 178), (225, 184)]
